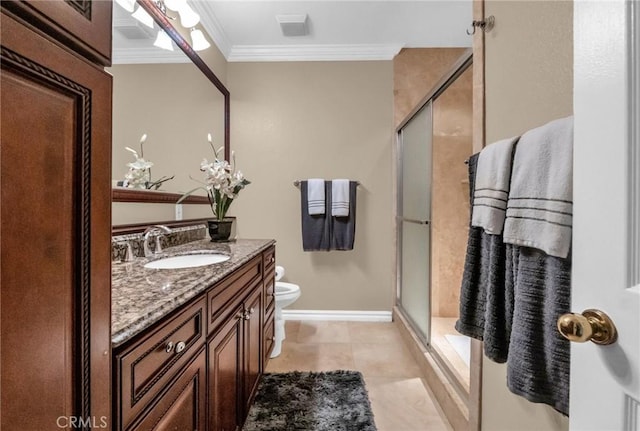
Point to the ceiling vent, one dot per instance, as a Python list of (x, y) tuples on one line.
[(293, 25)]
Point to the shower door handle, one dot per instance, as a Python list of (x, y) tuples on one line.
[(411, 220)]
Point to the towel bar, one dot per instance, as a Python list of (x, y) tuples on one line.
[(297, 183)]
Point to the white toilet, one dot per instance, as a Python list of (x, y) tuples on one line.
[(286, 294)]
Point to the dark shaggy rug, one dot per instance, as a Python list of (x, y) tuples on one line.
[(297, 401)]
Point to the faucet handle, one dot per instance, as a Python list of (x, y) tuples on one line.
[(158, 245), (128, 256)]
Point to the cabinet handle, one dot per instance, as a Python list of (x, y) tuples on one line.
[(240, 315), (169, 347), (248, 314), (180, 346)]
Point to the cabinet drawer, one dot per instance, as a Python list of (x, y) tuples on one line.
[(225, 296), (269, 256), (269, 293), (182, 406), (269, 337), (144, 368)]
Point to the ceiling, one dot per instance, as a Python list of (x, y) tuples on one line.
[(338, 30)]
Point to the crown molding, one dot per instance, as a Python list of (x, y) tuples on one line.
[(366, 52), (148, 56), (213, 27)]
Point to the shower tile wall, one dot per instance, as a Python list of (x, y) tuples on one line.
[(452, 145), (415, 72)]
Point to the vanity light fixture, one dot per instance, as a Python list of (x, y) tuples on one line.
[(188, 19), (163, 41), (198, 41)]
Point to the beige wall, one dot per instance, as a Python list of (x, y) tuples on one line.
[(301, 120), (176, 106), (529, 81)]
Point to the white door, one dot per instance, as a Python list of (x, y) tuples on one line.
[(605, 380)]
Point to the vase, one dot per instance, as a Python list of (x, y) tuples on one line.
[(220, 230)]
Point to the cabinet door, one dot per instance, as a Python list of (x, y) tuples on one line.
[(83, 25), (224, 375), (55, 234), (252, 343), (182, 405)]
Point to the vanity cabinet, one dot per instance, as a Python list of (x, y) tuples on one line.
[(150, 364), (199, 367), (182, 405), (55, 234)]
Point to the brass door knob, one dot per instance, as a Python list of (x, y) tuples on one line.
[(591, 325)]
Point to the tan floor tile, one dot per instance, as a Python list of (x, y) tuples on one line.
[(312, 357), (374, 332), (291, 328), (401, 404), (323, 332), (384, 360)]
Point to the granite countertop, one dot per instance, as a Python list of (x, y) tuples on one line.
[(141, 296)]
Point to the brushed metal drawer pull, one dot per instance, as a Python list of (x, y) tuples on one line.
[(169, 347), (248, 313), (180, 346)]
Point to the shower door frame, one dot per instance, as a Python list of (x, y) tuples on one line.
[(463, 63)]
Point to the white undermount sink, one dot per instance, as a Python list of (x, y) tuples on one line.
[(187, 261)]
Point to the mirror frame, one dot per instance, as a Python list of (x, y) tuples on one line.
[(151, 196)]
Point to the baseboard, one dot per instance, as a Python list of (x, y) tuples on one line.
[(340, 315)]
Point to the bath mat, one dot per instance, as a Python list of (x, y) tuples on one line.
[(307, 401), (462, 345)]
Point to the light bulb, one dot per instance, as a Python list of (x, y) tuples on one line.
[(198, 41), (174, 5), (188, 17), (163, 41), (142, 16)]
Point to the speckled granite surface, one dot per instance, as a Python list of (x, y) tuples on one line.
[(141, 297)]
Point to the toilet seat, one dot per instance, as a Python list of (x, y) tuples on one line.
[(286, 293)]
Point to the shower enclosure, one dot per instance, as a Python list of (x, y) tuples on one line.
[(433, 217)]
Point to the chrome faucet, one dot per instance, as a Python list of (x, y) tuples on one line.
[(158, 230)]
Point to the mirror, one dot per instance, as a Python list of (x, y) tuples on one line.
[(175, 104)]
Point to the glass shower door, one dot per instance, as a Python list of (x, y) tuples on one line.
[(414, 207)]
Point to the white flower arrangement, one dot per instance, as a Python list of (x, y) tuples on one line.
[(222, 182), (139, 174)]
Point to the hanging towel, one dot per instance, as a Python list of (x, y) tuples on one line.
[(539, 358), (343, 229), (540, 206), (486, 299), (340, 198), (316, 196), (492, 186), (316, 229)]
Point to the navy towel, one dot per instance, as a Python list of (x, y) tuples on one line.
[(316, 229), (343, 229), (486, 299), (322, 232)]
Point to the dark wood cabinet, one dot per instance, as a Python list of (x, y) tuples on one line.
[(82, 25), (149, 364), (229, 317), (55, 182), (235, 364), (225, 375), (252, 339), (182, 405)]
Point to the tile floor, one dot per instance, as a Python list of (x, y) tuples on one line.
[(399, 398)]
